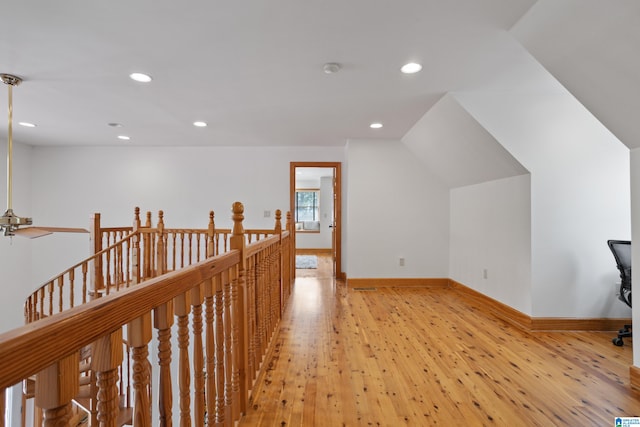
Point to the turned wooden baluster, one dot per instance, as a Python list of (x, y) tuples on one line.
[(161, 255), (50, 291), (56, 386), (147, 266), (106, 359), (252, 328), (71, 290), (239, 355), (274, 302), (163, 320), (138, 336), (239, 293), (141, 375), (228, 345), (211, 235), (135, 251), (182, 309), (197, 298), (41, 303), (215, 355), (261, 304), (84, 282), (209, 341), (271, 278), (174, 236)]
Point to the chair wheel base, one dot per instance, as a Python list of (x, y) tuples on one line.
[(617, 341)]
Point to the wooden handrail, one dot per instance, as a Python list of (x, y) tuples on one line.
[(31, 348)]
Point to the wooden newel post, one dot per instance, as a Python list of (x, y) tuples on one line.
[(56, 386), (95, 239), (239, 310), (280, 266), (292, 250)]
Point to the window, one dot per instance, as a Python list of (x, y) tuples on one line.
[(307, 202)]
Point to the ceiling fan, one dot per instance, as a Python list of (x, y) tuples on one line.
[(10, 223)]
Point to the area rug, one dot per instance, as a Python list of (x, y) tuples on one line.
[(306, 261)]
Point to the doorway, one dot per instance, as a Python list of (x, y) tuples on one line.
[(316, 207)]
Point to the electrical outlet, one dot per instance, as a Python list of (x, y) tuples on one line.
[(485, 273), (401, 261), (267, 214)]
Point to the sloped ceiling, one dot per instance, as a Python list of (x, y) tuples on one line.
[(457, 149), (592, 47)]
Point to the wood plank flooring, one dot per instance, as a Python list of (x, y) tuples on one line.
[(420, 357)]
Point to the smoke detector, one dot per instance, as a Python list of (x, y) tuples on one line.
[(331, 67)]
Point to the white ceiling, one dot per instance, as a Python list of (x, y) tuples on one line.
[(251, 69)]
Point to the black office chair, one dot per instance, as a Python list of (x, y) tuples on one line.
[(621, 250)]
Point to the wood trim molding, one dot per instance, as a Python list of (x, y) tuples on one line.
[(399, 282), (313, 251), (634, 377), (495, 307), (577, 324), (540, 323)]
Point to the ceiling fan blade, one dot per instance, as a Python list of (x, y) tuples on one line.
[(31, 232), (35, 232), (63, 229)]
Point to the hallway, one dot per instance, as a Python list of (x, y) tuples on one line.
[(419, 357)]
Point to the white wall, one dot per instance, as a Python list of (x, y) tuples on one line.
[(580, 197), (68, 184), (635, 237), (491, 231), (396, 209)]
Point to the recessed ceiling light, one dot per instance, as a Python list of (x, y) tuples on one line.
[(124, 137), (411, 67), (27, 124), (375, 125), (200, 124), (140, 77)]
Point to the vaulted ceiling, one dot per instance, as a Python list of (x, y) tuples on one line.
[(253, 70)]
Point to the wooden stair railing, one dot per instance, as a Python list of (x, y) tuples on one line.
[(227, 305), (122, 256)]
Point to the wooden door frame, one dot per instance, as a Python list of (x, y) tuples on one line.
[(337, 166)]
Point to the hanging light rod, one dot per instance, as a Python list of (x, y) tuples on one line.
[(9, 222)]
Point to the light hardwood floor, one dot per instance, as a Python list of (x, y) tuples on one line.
[(420, 357)]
